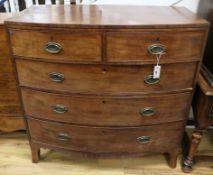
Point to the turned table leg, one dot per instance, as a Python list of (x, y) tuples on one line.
[(35, 149), (195, 141)]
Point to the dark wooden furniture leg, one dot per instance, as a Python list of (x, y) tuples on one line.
[(203, 102), (35, 149), (195, 141), (173, 156), (203, 110)]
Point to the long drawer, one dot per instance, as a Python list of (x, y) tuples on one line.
[(125, 140), (106, 111), (134, 46), (57, 46), (104, 79)]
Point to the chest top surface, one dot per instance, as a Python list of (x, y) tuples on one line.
[(107, 16)]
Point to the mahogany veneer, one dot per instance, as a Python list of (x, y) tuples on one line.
[(105, 79), (83, 74), (72, 43), (10, 112), (100, 110), (93, 139)]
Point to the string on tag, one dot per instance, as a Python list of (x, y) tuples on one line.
[(157, 68), (158, 56)]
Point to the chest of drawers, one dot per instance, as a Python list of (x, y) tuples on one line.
[(85, 77)]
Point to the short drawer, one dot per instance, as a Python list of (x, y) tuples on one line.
[(133, 47), (100, 79), (57, 46), (127, 140), (106, 111)]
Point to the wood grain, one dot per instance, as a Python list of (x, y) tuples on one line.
[(107, 16), (72, 44), (105, 79), (12, 123), (93, 139), (106, 111), (204, 86), (10, 113), (203, 116), (133, 46), (203, 104)]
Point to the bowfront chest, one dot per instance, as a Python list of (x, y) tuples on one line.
[(87, 82)]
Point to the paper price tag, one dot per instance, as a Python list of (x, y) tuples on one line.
[(156, 72)]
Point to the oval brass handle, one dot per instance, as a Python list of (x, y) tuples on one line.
[(56, 77), (52, 47), (143, 139), (60, 109), (63, 136), (148, 111), (156, 49), (150, 80)]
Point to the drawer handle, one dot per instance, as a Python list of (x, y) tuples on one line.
[(150, 80), (157, 49), (63, 136), (147, 112), (52, 47), (60, 109), (56, 77), (143, 139)]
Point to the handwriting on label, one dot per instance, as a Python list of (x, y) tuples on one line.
[(156, 72)]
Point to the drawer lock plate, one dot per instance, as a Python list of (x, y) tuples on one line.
[(63, 136), (52, 47), (147, 111), (143, 139), (60, 109)]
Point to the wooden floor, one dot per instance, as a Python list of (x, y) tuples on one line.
[(15, 159)]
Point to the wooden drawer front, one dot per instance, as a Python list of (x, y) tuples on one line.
[(123, 47), (107, 140), (94, 79), (75, 46), (106, 111)]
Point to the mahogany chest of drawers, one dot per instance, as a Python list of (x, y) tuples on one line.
[(85, 77), (10, 113)]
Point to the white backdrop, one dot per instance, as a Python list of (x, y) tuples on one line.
[(190, 4)]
